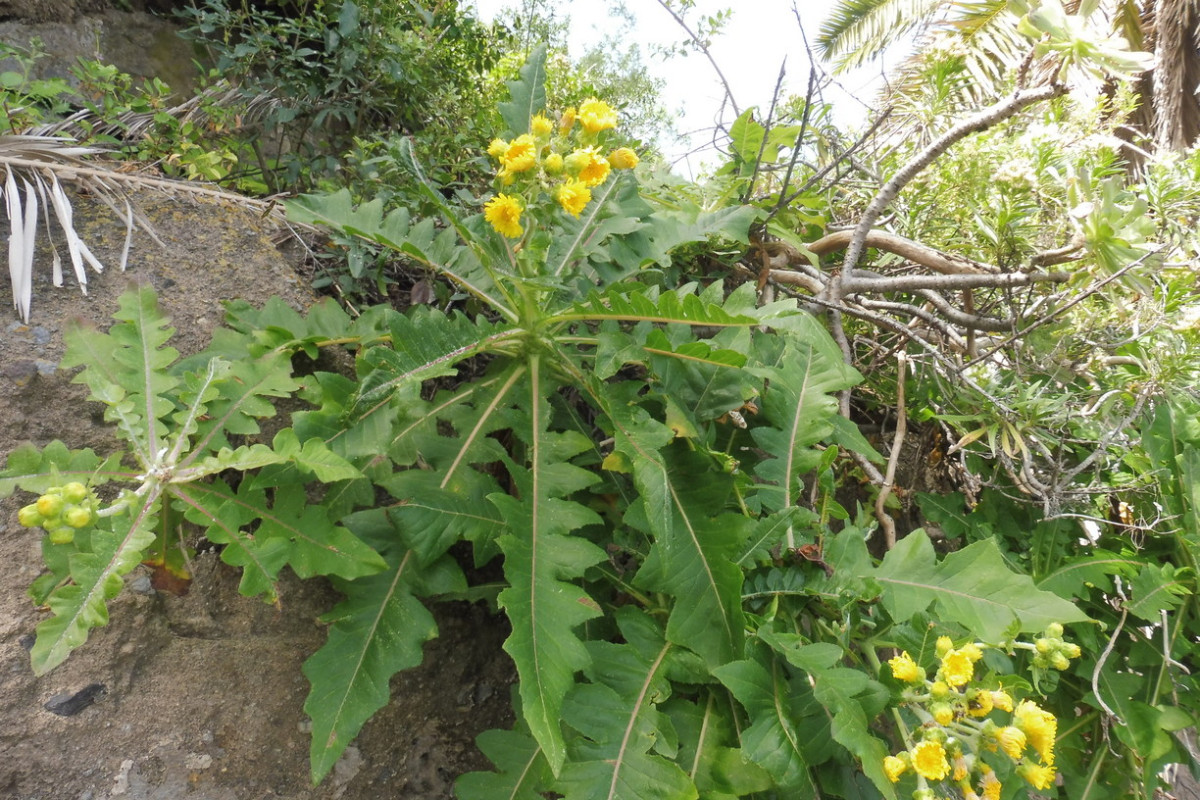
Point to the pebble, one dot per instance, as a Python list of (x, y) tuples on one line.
[(197, 762)]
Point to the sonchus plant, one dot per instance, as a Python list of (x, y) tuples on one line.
[(176, 419), (652, 468)]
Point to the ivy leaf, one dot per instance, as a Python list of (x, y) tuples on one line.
[(527, 94), (378, 630), (973, 587)]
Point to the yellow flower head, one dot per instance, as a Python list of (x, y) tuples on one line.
[(1012, 741), (905, 669), (1039, 776), (623, 158), (540, 126), (980, 703), (944, 645), (942, 713), (521, 154), (929, 760), (596, 115), (573, 196), (894, 767), (971, 651), (589, 166), (504, 214), (497, 148), (1040, 728), (989, 785), (567, 120), (1002, 700), (553, 164), (957, 668), (962, 769)]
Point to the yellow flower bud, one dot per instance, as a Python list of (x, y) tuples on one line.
[(553, 164), (894, 767), (623, 158), (567, 120), (540, 126)]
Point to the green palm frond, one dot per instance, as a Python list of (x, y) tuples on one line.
[(859, 31)]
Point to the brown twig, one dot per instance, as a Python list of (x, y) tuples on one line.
[(886, 523)]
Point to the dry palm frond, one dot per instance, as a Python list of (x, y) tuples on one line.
[(35, 169), (136, 125)]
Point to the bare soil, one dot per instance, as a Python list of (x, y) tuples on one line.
[(200, 696)]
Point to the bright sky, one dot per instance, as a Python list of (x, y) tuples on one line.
[(755, 43)]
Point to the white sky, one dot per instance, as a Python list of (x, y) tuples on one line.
[(755, 42)]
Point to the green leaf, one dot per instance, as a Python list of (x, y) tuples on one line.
[(973, 587), (223, 515), (378, 630), (425, 344), (540, 561), (619, 719), (126, 368), (1157, 589), (527, 94), (35, 470), (694, 548), (638, 306), (82, 604), (775, 737), (523, 773), (799, 406)]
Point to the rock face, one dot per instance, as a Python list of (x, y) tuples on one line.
[(200, 695)]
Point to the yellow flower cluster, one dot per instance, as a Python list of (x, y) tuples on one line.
[(960, 720), (567, 166)]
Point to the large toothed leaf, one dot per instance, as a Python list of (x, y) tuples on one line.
[(242, 396), (541, 562), (527, 94), (425, 344), (435, 512), (378, 630), (973, 587), (126, 368), (776, 738), (225, 517), (460, 252), (621, 724), (35, 470), (96, 577), (800, 409), (695, 545), (639, 306), (521, 770)]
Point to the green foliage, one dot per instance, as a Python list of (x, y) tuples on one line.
[(655, 460), (175, 425)]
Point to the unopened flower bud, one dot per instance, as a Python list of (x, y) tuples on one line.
[(49, 505)]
